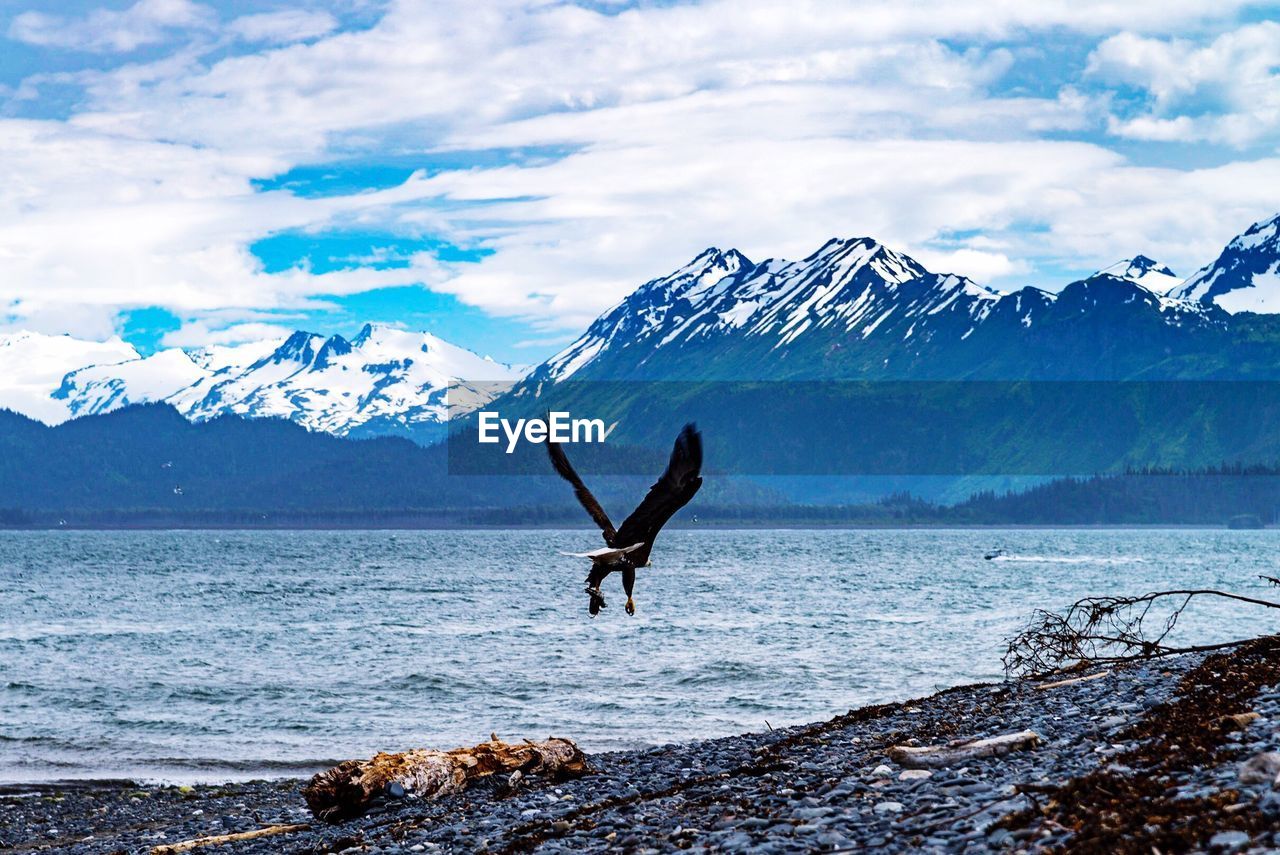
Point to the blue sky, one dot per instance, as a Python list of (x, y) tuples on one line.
[(184, 172)]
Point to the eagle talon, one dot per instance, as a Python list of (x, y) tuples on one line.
[(631, 606)]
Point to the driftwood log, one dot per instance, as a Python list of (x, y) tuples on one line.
[(348, 789), (936, 756), (220, 839)]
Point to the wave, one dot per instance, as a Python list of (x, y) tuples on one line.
[(105, 630), (1071, 559), (26, 778), (721, 672), (442, 683), (210, 764), (34, 789), (898, 618)]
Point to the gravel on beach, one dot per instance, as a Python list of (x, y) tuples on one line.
[(1169, 755)]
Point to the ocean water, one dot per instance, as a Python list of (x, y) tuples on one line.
[(209, 656)]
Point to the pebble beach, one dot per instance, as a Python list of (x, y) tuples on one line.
[(1166, 755)]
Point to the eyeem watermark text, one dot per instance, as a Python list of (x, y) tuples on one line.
[(557, 427)]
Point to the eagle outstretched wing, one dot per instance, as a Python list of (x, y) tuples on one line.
[(671, 492), (588, 501)]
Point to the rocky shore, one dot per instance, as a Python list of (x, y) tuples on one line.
[(1164, 756)]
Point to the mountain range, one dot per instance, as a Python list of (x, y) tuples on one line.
[(384, 381), (856, 309), (852, 310)]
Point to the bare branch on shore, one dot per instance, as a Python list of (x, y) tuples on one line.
[(348, 789), (1102, 630)]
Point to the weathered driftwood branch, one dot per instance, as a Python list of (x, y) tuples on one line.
[(936, 756), (1101, 630), (1057, 684), (219, 839), (348, 789)]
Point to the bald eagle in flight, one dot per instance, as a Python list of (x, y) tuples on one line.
[(628, 546)]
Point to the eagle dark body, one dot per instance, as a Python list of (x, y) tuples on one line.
[(671, 492)]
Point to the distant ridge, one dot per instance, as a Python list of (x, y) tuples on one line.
[(854, 309), (148, 465), (384, 381), (149, 462)]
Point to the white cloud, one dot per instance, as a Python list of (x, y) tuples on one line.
[(446, 65), (106, 30), (88, 220), (283, 27), (1181, 129), (87, 321), (598, 222), (1226, 91), (199, 334), (758, 124), (980, 265)]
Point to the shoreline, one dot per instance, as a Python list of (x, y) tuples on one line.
[(1174, 731), (673, 526)]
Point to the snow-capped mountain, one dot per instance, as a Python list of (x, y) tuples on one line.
[(32, 366), (1245, 277), (856, 308), (847, 288), (104, 387), (651, 307), (385, 380), (853, 309), (1147, 272), (161, 376)]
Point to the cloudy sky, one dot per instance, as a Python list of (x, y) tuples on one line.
[(499, 172)]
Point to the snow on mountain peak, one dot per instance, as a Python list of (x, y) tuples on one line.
[(714, 257), (33, 364), (101, 388), (707, 268), (854, 284), (1147, 272), (299, 347), (377, 334), (653, 306), (1261, 232), (1140, 264), (386, 379), (1245, 277)]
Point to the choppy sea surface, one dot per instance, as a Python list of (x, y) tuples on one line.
[(212, 655)]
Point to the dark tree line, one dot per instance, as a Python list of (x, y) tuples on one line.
[(1139, 497)]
